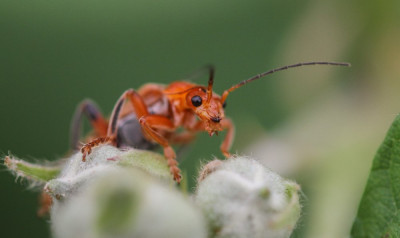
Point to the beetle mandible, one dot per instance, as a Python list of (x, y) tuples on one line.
[(160, 110)]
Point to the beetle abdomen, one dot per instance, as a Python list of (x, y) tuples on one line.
[(130, 134)]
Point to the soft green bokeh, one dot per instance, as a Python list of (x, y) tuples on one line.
[(53, 54)]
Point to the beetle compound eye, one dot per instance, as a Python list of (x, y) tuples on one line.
[(224, 104), (196, 101)]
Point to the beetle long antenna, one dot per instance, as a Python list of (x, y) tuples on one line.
[(206, 68), (210, 82), (226, 92)]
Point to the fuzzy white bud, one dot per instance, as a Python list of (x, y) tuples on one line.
[(117, 194), (242, 198)]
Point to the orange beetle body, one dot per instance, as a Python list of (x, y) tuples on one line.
[(173, 101), (161, 110)]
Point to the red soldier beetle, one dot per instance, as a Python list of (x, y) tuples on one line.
[(161, 110)]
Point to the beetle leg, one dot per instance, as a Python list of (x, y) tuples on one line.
[(188, 135), (87, 148), (90, 110), (149, 124), (45, 202), (138, 105), (230, 134), (183, 138), (112, 128)]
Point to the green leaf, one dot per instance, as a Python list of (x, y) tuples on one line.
[(379, 211)]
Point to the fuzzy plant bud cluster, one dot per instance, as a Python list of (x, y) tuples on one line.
[(121, 194), (130, 193), (241, 198), (126, 203)]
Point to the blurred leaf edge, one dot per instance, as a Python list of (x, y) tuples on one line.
[(379, 210)]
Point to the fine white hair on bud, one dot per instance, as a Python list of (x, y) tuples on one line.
[(121, 194), (76, 172), (131, 193), (126, 203), (36, 174), (242, 198)]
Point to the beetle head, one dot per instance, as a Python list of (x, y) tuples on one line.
[(208, 108)]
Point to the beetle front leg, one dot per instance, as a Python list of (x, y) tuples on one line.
[(149, 125), (183, 137), (227, 124), (152, 122)]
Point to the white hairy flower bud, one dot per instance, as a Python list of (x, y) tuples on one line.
[(242, 198), (131, 193), (121, 194)]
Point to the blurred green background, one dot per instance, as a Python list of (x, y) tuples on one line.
[(317, 125)]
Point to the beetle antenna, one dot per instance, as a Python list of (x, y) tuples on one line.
[(210, 82), (226, 92), (211, 70), (205, 69)]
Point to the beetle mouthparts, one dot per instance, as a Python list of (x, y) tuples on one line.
[(215, 119), (211, 133)]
